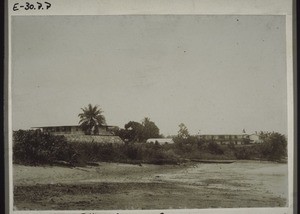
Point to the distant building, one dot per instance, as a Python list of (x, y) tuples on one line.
[(231, 138), (160, 141), (103, 139), (74, 129), (255, 138), (76, 134)]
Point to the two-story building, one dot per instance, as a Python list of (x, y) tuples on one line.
[(231, 138), (74, 129), (74, 133)]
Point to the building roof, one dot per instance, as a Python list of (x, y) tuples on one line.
[(93, 139), (160, 140), (222, 134), (65, 126), (254, 134)]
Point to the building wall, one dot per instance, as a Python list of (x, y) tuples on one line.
[(255, 138), (64, 130), (61, 130), (94, 139), (226, 139), (161, 141)]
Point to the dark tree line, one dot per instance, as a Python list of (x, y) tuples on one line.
[(139, 132), (274, 146), (35, 147), (92, 118)]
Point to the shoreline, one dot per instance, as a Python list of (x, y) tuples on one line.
[(114, 185)]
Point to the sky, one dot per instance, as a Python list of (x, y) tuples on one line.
[(216, 74)]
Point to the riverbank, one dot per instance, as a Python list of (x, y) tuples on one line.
[(146, 186)]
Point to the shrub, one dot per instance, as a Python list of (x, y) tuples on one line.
[(34, 147), (231, 146), (185, 147), (215, 148), (94, 152), (248, 152), (243, 153), (274, 146), (132, 152)]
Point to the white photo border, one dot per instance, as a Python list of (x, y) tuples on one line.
[(172, 7)]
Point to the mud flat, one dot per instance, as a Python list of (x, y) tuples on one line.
[(125, 186)]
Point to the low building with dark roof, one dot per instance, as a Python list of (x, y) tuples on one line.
[(74, 129), (74, 133)]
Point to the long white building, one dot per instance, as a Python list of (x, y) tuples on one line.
[(231, 138)]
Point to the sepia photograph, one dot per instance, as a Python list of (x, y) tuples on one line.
[(149, 112)]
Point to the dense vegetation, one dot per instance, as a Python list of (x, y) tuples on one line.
[(35, 148), (138, 132)]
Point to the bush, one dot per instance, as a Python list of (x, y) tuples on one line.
[(215, 148), (150, 153), (34, 147), (231, 146), (274, 147), (187, 147), (244, 153), (97, 152)]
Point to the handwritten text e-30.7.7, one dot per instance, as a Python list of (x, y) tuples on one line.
[(32, 6)]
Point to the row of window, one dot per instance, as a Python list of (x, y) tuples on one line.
[(224, 137), (60, 129)]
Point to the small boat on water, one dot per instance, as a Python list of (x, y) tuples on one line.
[(214, 161)]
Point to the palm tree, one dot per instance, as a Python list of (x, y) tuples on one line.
[(91, 119)]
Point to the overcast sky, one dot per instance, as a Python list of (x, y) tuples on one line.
[(216, 74)]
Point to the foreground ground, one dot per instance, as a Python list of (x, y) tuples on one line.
[(123, 186)]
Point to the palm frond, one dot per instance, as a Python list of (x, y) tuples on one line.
[(91, 118)]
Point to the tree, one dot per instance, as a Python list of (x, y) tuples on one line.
[(274, 146), (123, 134), (150, 130), (183, 131), (264, 135), (34, 147), (134, 131), (215, 148), (91, 119)]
